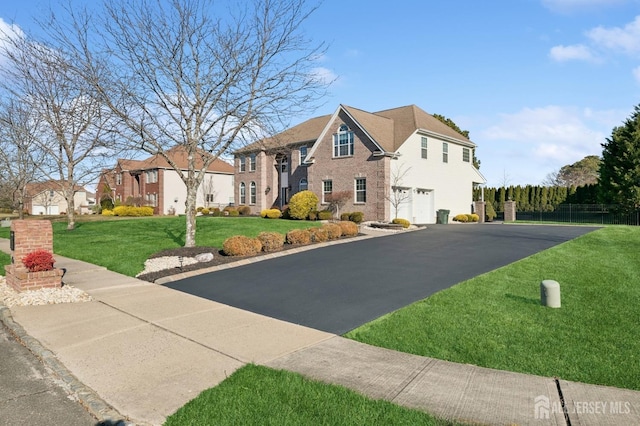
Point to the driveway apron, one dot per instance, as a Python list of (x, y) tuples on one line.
[(338, 288)]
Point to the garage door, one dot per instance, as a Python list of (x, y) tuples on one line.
[(423, 206)]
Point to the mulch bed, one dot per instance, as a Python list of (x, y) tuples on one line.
[(219, 258)]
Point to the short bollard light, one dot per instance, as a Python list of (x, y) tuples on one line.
[(550, 293)]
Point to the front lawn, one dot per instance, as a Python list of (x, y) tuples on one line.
[(496, 320), (123, 245), (255, 395)]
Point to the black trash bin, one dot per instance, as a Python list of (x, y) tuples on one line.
[(443, 217)]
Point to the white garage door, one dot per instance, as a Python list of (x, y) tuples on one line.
[(423, 206)]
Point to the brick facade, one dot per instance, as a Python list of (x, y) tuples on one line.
[(29, 236)]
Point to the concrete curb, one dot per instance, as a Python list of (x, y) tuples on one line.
[(97, 407)]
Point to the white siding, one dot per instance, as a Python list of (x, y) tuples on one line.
[(435, 185), (175, 189)]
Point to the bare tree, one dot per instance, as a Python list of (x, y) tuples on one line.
[(179, 76), (398, 194), (209, 192), (19, 152), (73, 126)]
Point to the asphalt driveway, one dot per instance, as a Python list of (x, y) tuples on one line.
[(341, 287)]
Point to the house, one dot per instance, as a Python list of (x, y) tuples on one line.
[(47, 198), (400, 162), (154, 182)]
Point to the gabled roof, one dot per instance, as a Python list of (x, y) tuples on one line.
[(35, 188), (179, 156), (389, 129)]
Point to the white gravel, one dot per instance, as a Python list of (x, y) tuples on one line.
[(44, 296), (165, 262)]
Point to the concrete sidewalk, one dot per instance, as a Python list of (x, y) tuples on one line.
[(145, 350)]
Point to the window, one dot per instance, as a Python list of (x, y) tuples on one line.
[(327, 189), (252, 193), (303, 153), (152, 200), (210, 198), (283, 164), (243, 164), (151, 176), (243, 194), (445, 152), (466, 155), (304, 185), (423, 147), (361, 190), (343, 142), (252, 163), (118, 178)]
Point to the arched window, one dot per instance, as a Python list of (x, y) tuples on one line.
[(243, 193), (304, 184), (343, 142), (252, 193)]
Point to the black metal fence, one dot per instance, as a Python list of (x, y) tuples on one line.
[(602, 214)]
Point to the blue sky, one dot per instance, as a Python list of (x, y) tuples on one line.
[(538, 83)]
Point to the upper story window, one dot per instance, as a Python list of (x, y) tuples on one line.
[(152, 176), (243, 164), (423, 147), (303, 185), (118, 178), (466, 155), (252, 163), (445, 152), (303, 153), (343, 142)]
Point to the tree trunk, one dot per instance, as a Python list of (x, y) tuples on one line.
[(190, 206), (71, 207)]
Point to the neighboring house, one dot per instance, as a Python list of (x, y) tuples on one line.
[(46, 198), (153, 182), (401, 154)]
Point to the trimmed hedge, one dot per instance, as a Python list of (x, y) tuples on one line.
[(404, 222), (349, 229), (301, 204), (333, 230), (318, 235), (271, 241), (298, 236), (132, 211), (271, 213), (244, 210), (240, 245), (325, 215)]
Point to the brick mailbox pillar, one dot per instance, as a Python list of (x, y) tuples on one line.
[(28, 236), (510, 211)]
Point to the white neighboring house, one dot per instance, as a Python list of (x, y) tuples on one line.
[(153, 182), (46, 198)]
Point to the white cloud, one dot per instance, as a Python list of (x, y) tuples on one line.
[(530, 143), (625, 39), (575, 52), (324, 75)]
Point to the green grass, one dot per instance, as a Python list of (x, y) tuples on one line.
[(123, 245), (496, 320), (255, 395)]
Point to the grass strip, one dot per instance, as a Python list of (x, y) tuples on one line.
[(496, 320), (256, 395)]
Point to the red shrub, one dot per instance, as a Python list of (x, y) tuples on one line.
[(39, 260)]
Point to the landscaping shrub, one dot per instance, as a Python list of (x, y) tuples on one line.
[(240, 245), (490, 211), (298, 236), (463, 218), (133, 211), (313, 215), (244, 210), (234, 213), (199, 209), (333, 230), (349, 229), (106, 212), (301, 204), (205, 211), (271, 241), (271, 213), (356, 217), (318, 235), (345, 216), (39, 260), (473, 217), (217, 212), (404, 222), (325, 215)]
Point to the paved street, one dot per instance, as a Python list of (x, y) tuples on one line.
[(29, 392), (341, 287)]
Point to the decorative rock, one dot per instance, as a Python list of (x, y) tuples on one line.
[(44, 296), (204, 257)]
